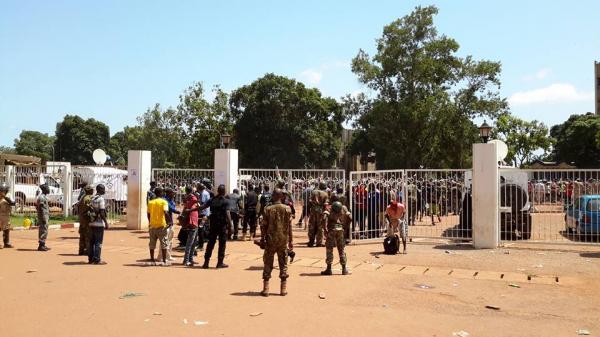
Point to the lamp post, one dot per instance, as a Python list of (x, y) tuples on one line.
[(484, 132), (225, 140)]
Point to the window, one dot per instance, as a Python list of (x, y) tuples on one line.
[(593, 205)]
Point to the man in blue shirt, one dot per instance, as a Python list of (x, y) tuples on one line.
[(203, 199)]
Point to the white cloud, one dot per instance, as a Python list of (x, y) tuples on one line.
[(539, 75), (555, 93), (311, 76)]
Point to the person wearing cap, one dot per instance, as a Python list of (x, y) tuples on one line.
[(43, 216), (394, 214), (6, 204), (97, 225), (83, 212), (336, 220), (158, 211)]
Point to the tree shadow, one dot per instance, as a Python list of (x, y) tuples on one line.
[(247, 294), (595, 255), (75, 263)]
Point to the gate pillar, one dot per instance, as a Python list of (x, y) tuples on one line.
[(485, 194), (139, 173), (226, 168)]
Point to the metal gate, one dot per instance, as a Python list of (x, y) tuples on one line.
[(370, 193), (114, 179), (178, 179), (549, 206), (300, 183)]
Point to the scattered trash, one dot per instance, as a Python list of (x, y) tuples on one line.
[(157, 313), (448, 252), (147, 320), (322, 296), (185, 321), (521, 269), (461, 334), (424, 286), (583, 332), (455, 284), (506, 252), (32, 271), (198, 323), (385, 306), (376, 256), (130, 295), (492, 307), (541, 253), (254, 314), (514, 285), (538, 266)]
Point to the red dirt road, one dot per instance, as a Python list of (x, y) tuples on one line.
[(67, 297)]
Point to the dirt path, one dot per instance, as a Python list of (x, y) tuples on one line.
[(67, 297)]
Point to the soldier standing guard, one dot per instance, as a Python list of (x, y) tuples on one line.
[(5, 210), (276, 238), (336, 219), (43, 214), (318, 201), (83, 212)]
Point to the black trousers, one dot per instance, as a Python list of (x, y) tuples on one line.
[(249, 219), (217, 232), (235, 218)]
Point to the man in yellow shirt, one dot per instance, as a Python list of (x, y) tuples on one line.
[(158, 209)]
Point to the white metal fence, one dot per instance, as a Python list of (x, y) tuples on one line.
[(178, 179), (299, 182), (550, 206), (114, 179)]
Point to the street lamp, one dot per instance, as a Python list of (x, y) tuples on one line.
[(225, 139), (484, 132)]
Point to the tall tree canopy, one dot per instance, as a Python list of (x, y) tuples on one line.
[(526, 140), (185, 136), (34, 143), (426, 96), (578, 141), (280, 122), (76, 139)]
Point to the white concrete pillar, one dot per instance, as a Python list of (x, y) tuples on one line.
[(139, 174), (485, 190), (226, 168), (11, 179), (67, 187)]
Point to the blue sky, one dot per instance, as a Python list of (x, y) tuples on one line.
[(113, 59)]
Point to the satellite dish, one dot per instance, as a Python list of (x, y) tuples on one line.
[(502, 149), (99, 156)]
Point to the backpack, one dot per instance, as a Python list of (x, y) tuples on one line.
[(391, 245)]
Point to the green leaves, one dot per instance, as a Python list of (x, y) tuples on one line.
[(77, 138), (426, 96), (577, 141), (526, 140)]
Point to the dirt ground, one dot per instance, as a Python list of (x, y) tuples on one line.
[(436, 290)]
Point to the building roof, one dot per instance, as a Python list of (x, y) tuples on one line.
[(17, 159)]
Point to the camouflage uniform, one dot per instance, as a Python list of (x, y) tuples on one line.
[(5, 210), (318, 201), (277, 219), (335, 234), (83, 209), (43, 216)]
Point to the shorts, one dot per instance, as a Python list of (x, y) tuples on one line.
[(4, 223), (402, 228), (159, 234)]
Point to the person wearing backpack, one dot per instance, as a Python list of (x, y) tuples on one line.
[(84, 213), (97, 226)]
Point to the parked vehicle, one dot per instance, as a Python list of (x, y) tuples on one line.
[(27, 188), (583, 215), (114, 179)]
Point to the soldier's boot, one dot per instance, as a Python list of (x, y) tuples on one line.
[(283, 288), (327, 271), (205, 265), (265, 291), (6, 237), (345, 270)]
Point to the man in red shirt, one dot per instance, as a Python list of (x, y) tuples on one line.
[(394, 213), (191, 225)]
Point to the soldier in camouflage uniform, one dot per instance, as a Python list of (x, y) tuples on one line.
[(83, 211), (336, 219), (318, 201), (276, 237), (43, 217), (5, 210)]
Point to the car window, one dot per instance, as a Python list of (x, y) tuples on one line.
[(593, 205)]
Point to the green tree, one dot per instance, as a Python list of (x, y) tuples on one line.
[(76, 139), (577, 141), (523, 138), (34, 143), (280, 122), (426, 96), (7, 149)]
